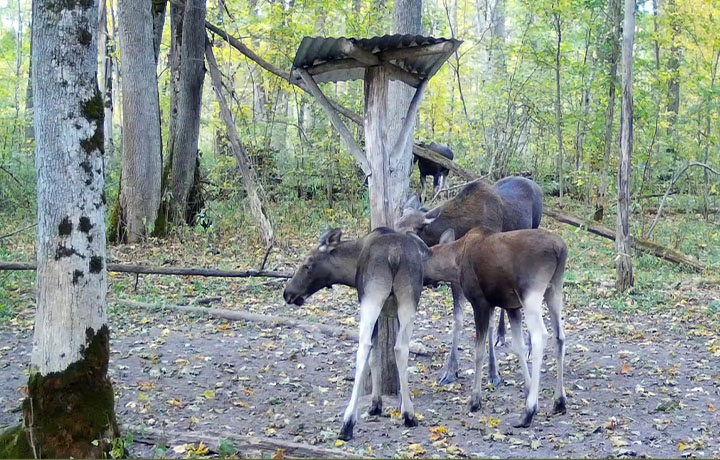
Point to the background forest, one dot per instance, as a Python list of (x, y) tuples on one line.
[(495, 103)]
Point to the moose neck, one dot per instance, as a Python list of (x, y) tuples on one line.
[(442, 265), (343, 263)]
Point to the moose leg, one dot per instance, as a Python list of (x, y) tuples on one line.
[(450, 373), (406, 315), (500, 342), (515, 320), (532, 304), (554, 299), (370, 307), (493, 376), (376, 376), (481, 310)]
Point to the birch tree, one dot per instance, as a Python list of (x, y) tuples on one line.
[(623, 243), (70, 400)]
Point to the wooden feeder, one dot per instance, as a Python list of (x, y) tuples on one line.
[(412, 59)]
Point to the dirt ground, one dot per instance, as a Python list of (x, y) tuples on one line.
[(639, 385)]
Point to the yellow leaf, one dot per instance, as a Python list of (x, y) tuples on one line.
[(339, 443), (175, 402), (223, 327), (209, 394), (279, 453), (201, 450), (493, 422), (416, 450), (145, 386), (681, 446), (437, 432)]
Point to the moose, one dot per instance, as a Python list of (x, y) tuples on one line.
[(514, 271), (513, 203), (381, 264), (430, 168)]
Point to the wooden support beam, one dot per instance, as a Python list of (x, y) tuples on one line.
[(376, 91), (368, 59), (416, 51), (177, 271), (409, 122), (435, 157), (350, 141)]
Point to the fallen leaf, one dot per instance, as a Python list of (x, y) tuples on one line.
[(209, 394), (625, 368)]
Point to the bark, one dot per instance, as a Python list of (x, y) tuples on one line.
[(623, 243), (142, 145), (673, 88), (706, 188), (105, 76), (614, 20), (187, 127), (558, 106), (29, 128), (70, 399), (158, 21), (407, 15), (376, 99), (252, 188), (581, 126)]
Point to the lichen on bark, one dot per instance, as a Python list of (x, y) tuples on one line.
[(65, 412)]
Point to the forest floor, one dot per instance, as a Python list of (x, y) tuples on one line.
[(642, 371)]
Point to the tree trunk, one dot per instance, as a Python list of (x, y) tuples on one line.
[(105, 75), (558, 107), (623, 242), (252, 188), (142, 145), (29, 128), (708, 117), (614, 12), (407, 16), (581, 126), (158, 21), (187, 128), (70, 399), (673, 88)]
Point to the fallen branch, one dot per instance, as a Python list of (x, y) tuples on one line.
[(672, 184), (180, 271), (234, 315), (8, 235), (214, 439), (655, 249)]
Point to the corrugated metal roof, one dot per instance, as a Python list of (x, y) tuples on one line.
[(314, 51)]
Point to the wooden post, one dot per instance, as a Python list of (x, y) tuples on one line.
[(381, 213), (376, 86)]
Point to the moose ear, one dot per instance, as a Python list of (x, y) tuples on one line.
[(412, 204), (330, 239), (431, 216), (448, 236)]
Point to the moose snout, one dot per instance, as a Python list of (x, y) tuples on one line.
[(292, 297)]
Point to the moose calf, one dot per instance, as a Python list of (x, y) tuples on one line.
[(430, 168), (512, 203), (514, 271), (381, 264)]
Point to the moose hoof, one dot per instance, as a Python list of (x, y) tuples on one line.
[(448, 378), (526, 419), (346, 432), (560, 406), (500, 342), (495, 381), (409, 420), (475, 403), (375, 407)]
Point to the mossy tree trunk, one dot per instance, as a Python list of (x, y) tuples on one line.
[(70, 399)]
